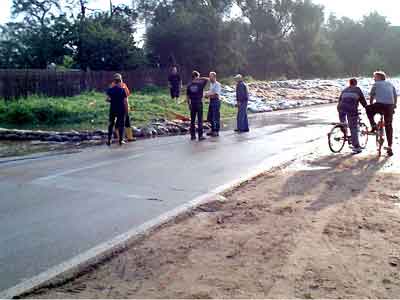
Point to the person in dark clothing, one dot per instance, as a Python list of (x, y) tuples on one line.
[(194, 93), (175, 83), (242, 98), (385, 96), (348, 111), (118, 109)]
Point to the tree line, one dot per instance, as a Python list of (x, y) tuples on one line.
[(263, 38)]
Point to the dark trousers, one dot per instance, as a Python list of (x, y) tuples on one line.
[(351, 117), (127, 121), (242, 119), (387, 110), (214, 114), (116, 119), (196, 110), (175, 91)]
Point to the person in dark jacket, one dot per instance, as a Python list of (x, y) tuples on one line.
[(175, 83), (242, 98), (194, 93), (118, 108), (348, 111)]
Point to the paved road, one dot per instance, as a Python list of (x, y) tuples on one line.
[(54, 208)]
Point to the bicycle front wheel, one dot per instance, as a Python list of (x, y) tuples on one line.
[(363, 135), (337, 139)]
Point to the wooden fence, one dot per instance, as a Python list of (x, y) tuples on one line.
[(16, 84)]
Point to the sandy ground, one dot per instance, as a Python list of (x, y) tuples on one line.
[(323, 227)]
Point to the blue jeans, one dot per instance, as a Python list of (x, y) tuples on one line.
[(214, 114), (352, 119)]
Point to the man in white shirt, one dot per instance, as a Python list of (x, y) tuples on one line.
[(215, 105)]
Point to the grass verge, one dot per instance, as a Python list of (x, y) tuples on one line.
[(90, 111)]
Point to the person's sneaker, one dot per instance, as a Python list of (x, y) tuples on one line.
[(357, 150), (389, 152), (236, 130), (193, 138), (202, 138), (108, 143), (210, 133), (214, 134), (122, 143)]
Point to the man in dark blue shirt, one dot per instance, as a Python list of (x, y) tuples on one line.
[(348, 109), (118, 108), (194, 93)]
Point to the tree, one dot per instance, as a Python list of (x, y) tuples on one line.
[(108, 42), (349, 43), (270, 26), (40, 39), (34, 45), (307, 19), (35, 12), (192, 33)]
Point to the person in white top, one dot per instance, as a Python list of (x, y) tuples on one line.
[(215, 105)]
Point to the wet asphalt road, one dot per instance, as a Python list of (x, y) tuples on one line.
[(54, 208)]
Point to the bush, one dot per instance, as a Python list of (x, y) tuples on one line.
[(151, 89), (53, 111)]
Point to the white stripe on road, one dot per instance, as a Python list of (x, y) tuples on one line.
[(94, 166)]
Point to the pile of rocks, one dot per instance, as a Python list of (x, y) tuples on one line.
[(52, 136), (159, 127), (162, 127), (278, 95)]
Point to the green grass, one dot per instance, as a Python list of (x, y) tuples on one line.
[(89, 111)]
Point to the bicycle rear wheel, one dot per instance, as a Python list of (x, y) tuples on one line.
[(363, 135), (380, 140), (337, 138)]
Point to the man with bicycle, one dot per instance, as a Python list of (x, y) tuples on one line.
[(348, 109), (385, 96)]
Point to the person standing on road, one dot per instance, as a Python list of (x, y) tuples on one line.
[(214, 115), (385, 96), (194, 94), (128, 126), (118, 108), (242, 99), (348, 111), (175, 83)]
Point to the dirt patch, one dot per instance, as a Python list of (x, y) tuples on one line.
[(322, 229)]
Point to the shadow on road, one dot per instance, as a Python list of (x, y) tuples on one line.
[(335, 179)]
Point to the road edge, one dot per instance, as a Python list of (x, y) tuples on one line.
[(78, 264)]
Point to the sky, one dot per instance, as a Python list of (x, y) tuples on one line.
[(354, 9)]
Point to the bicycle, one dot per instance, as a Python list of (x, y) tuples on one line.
[(338, 136)]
